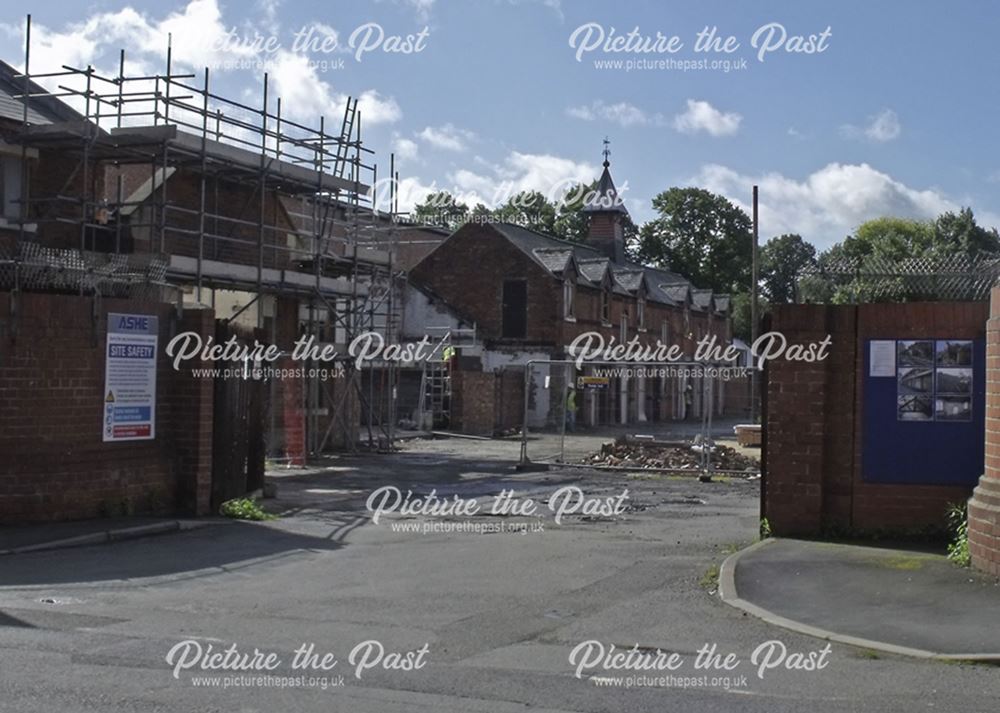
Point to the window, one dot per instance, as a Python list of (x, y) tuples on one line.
[(665, 333), (606, 305), (569, 299), (640, 313), (623, 336)]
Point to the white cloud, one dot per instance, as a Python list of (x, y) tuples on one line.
[(374, 107), (405, 148), (493, 184), (621, 113), (448, 137), (196, 32), (880, 128), (702, 116), (548, 174), (829, 203), (200, 37), (884, 126)]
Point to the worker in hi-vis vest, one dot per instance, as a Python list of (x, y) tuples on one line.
[(571, 409)]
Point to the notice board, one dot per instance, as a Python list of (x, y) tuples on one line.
[(129, 403), (924, 411)]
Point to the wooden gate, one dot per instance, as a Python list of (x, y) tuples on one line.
[(238, 430)]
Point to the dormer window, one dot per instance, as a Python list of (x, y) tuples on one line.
[(569, 299)]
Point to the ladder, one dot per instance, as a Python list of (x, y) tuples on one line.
[(435, 386), (346, 133)]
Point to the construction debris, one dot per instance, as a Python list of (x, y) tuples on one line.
[(624, 453)]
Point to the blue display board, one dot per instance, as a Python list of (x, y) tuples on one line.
[(924, 414)]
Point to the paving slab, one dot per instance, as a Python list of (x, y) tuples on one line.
[(898, 600), (17, 539)]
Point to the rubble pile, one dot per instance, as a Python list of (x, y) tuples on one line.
[(629, 454)]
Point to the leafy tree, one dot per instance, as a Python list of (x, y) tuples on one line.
[(571, 222), (960, 232), (700, 235), (890, 238), (529, 209), (781, 261), (740, 311), (882, 242), (441, 208)]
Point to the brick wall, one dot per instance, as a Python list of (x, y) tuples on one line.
[(813, 420), (984, 508), (473, 401), (469, 271), (55, 464)]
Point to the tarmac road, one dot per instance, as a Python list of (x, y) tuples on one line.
[(90, 629)]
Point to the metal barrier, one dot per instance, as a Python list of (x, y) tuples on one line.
[(672, 417)]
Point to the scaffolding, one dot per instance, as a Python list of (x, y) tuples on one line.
[(279, 209)]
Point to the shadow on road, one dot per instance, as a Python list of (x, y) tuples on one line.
[(200, 552)]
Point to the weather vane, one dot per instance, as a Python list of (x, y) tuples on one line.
[(607, 150)]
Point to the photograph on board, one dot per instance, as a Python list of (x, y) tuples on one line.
[(915, 353), (953, 408), (914, 408), (954, 352), (954, 381), (915, 380)]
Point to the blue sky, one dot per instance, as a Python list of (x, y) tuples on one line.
[(896, 114)]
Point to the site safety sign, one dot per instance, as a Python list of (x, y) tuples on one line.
[(129, 406)]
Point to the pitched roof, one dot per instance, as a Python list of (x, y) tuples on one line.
[(554, 259), (553, 254), (679, 292), (594, 269), (722, 304), (629, 279), (605, 198), (702, 300), (41, 109)]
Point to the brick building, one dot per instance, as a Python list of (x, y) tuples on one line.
[(186, 210), (530, 295)]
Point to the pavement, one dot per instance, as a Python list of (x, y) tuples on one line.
[(19, 539), (905, 601)]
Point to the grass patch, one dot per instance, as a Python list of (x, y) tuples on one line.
[(868, 654), (902, 562), (710, 579), (244, 509), (958, 524)]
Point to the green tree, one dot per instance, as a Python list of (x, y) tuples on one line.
[(960, 232), (878, 246), (700, 235), (739, 310), (571, 222), (442, 209), (782, 259), (529, 209)]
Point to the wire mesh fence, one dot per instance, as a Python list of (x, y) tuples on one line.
[(883, 279), (667, 418), (31, 267)]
